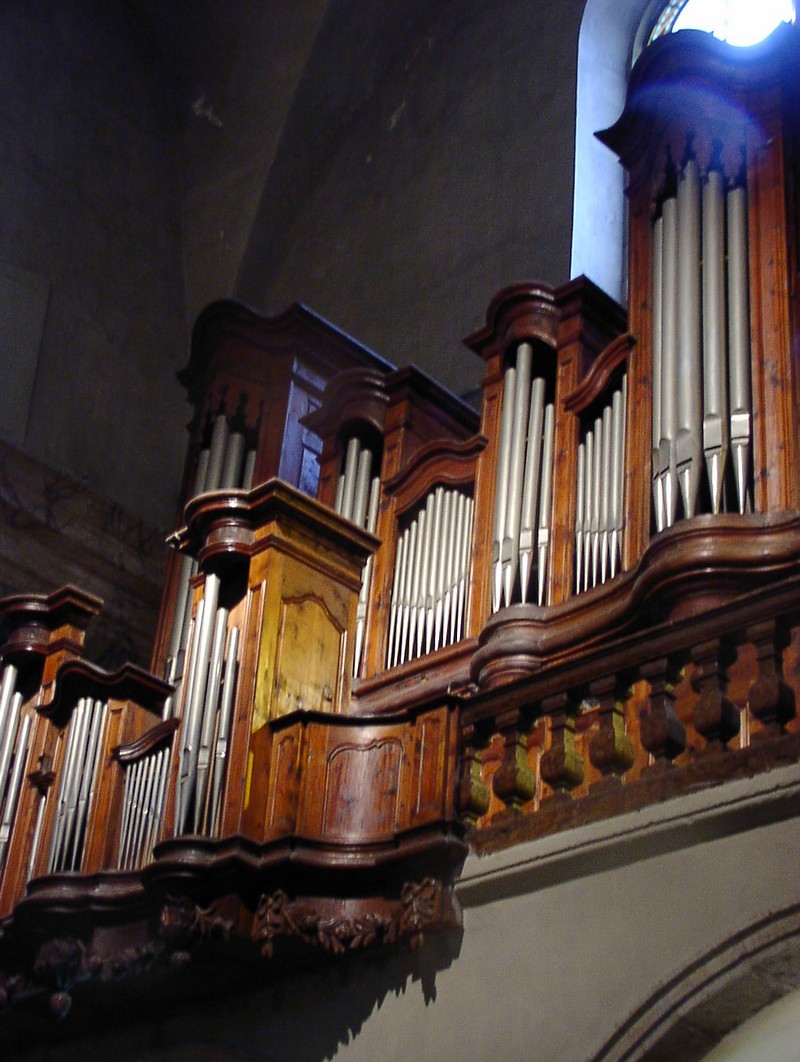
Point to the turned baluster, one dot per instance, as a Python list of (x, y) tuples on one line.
[(514, 782), (561, 765), (771, 700), (662, 732), (715, 717), (473, 793), (610, 748)]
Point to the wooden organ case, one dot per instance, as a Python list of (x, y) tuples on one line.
[(393, 627)]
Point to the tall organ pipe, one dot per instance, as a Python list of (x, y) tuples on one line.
[(530, 495), (669, 359), (501, 487), (658, 324), (688, 446), (715, 374), (739, 338), (510, 548)]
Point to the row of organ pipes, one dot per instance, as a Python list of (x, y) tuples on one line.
[(431, 573), (523, 484), (77, 783), (206, 713), (14, 730), (702, 403), (143, 799), (599, 494)]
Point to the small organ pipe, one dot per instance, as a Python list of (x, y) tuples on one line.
[(588, 509), (361, 494), (597, 486), (469, 507), (216, 453), (618, 472), (195, 699), (350, 475), (715, 382), (458, 555), (445, 551), (688, 445), (249, 470), (396, 604), (424, 567), (544, 504), (434, 558), (66, 773), (231, 475), (37, 835), (87, 776), (530, 494), (411, 563), (209, 711), (9, 711), (605, 499), (739, 339), (9, 807), (580, 486), (223, 730)]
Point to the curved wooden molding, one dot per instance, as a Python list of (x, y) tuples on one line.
[(353, 396), (525, 310), (694, 567), (450, 464), (159, 735), (691, 73), (599, 376)]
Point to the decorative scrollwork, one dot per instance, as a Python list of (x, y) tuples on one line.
[(278, 916), (184, 924)]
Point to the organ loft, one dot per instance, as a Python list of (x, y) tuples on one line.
[(395, 630)]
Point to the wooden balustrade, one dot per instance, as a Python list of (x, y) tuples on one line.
[(637, 718)]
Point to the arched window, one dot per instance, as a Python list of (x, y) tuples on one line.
[(739, 22), (613, 33)]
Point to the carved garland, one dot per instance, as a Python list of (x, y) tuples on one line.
[(278, 916)]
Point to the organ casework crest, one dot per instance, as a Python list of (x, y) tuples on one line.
[(393, 627)]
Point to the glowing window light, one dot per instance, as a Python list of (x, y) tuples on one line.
[(739, 22)]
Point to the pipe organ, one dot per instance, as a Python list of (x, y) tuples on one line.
[(393, 625), (701, 333)]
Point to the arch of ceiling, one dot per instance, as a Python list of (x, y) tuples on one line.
[(719, 992)]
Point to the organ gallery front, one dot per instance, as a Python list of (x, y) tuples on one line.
[(394, 628)]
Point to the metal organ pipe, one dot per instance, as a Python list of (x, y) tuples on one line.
[(599, 487), (80, 765), (669, 357), (524, 475), (226, 464), (357, 497), (688, 445), (430, 577), (8, 805), (501, 485), (739, 333), (715, 362), (658, 284)]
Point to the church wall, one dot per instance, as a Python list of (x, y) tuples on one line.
[(425, 163), (92, 325)]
